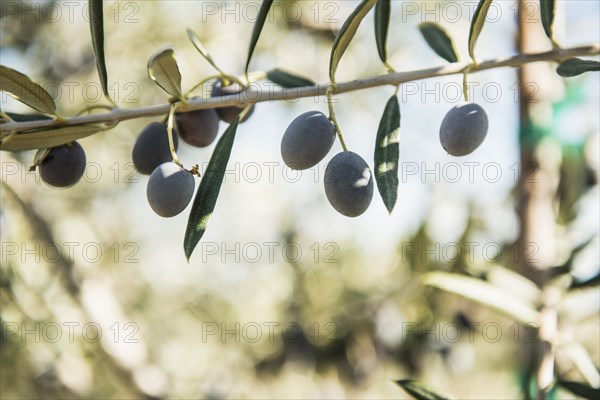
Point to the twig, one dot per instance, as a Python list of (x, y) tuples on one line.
[(257, 94)]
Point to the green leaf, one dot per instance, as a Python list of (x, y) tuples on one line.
[(382, 26), (287, 79), (201, 49), (418, 390), (483, 293), (387, 153), (258, 25), (581, 389), (548, 9), (39, 156), (97, 28), (48, 138), (577, 66), (477, 24), (345, 35), (439, 40), (27, 117), (163, 69), (208, 192), (23, 89)]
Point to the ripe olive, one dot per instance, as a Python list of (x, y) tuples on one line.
[(307, 140), (463, 129), (152, 148), (64, 165), (198, 128), (170, 189)]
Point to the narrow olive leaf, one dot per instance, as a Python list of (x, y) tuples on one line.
[(382, 26), (48, 138), (419, 391), (163, 69), (345, 35), (439, 40), (208, 192), (548, 9), (581, 389), (387, 153), (97, 28), (483, 293), (39, 156), (201, 49), (257, 29), (477, 24), (198, 44), (23, 89), (287, 79), (577, 66), (27, 117)]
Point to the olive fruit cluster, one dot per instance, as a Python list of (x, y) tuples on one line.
[(463, 129), (170, 187), (348, 179), (63, 166)]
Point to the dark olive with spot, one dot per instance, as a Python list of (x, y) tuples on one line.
[(349, 184)]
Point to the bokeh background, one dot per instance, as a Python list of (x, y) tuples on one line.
[(285, 298)]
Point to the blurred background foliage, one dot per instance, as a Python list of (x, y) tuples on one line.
[(340, 304)]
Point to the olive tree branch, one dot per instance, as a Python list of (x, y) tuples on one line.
[(259, 94)]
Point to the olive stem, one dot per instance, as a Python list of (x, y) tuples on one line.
[(8, 137), (237, 80), (202, 82), (389, 68), (330, 90), (261, 94), (465, 83), (5, 116), (245, 112), (222, 77), (110, 100), (170, 123)]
